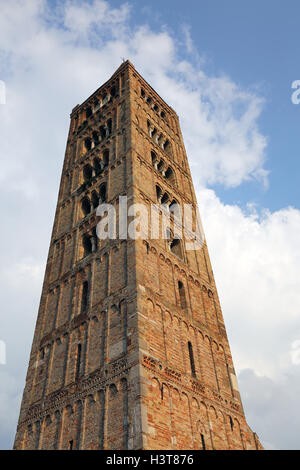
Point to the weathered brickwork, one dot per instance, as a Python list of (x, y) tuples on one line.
[(130, 349)]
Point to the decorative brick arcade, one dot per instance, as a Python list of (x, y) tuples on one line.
[(130, 349)]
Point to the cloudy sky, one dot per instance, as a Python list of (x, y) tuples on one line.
[(227, 69)]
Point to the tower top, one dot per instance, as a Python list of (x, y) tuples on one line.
[(126, 65)]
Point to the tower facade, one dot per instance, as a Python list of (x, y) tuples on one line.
[(130, 349)]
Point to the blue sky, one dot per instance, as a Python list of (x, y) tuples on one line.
[(255, 43), (227, 69)]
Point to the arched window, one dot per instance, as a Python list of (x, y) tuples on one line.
[(94, 239), (109, 126), (167, 147), (165, 198), (192, 362), (85, 206), (153, 158), (169, 175), (88, 143), (182, 294), (95, 137), (89, 112), (158, 193), (97, 166), (87, 245), (160, 165), (106, 157), (142, 93), (96, 105), (173, 205), (95, 199), (84, 296), (102, 193), (102, 132), (175, 247), (87, 172)]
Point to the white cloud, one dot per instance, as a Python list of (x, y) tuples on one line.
[(295, 352), (55, 62), (272, 408), (86, 19), (256, 258)]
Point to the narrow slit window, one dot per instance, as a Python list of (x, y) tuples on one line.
[(78, 361), (84, 296), (106, 157), (102, 193), (192, 362), (182, 294)]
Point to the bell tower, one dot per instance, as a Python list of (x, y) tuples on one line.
[(130, 349)]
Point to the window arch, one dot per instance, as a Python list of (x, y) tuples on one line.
[(154, 159), (165, 198), (95, 199), (175, 247), (87, 245), (182, 296), (169, 175), (160, 166), (167, 147), (84, 296), (192, 361), (85, 206), (109, 126), (102, 132), (87, 172), (88, 143), (95, 137), (97, 165), (158, 193), (78, 363), (106, 157), (102, 193), (88, 112)]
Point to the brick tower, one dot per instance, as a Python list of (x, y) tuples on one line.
[(130, 349)]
